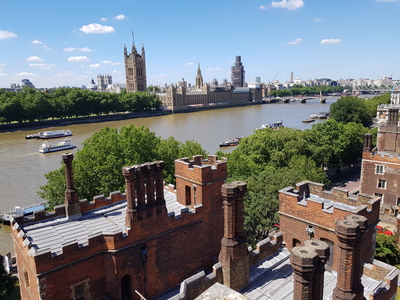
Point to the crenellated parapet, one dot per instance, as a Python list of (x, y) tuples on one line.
[(310, 200), (266, 248), (199, 180)]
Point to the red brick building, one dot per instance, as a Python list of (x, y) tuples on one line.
[(164, 243), (143, 240), (309, 212), (380, 171)]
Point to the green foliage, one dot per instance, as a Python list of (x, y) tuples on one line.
[(350, 109), (97, 166), (31, 105), (7, 282), (299, 90), (386, 249)]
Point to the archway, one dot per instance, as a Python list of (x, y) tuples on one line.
[(126, 287)]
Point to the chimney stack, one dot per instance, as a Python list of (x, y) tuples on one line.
[(367, 142), (347, 232), (72, 206), (234, 254)]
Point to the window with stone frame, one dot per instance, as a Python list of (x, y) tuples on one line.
[(379, 169), (80, 291), (381, 183), (380, 196)]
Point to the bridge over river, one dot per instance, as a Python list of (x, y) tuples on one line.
[(298, 99)]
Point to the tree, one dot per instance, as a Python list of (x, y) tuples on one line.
[(7, 282), (386, 249), (97, 166), (350, 109)]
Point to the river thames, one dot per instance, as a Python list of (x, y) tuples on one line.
[(23, 167)]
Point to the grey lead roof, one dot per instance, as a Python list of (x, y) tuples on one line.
[(53, 234), (272, 279)]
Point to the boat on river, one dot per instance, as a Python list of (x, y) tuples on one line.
[(275, 125), (54, 134), (230, 142), (20, 211), (308, 120), (64, 145)]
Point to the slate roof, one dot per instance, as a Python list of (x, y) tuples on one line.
[(272, 279), (52, 234)]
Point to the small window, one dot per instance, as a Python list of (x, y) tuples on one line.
[(26, 277), (296, 243), (379, 169), (380, 196), (381, 183), (79, 292), (398, 202)]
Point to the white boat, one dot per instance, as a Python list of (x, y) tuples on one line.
[(21, 211), (46, 147), (54, 134), (275, 125)]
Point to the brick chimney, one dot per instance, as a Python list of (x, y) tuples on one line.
[(367, 142), (346, 231), (358, 254), (303, 260), (234, 254), (71, 200), (322, 250), (308, 263), (129, 174)]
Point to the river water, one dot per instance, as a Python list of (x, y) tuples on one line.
[(22, 167)]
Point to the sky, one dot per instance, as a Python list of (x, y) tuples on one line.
[(68, 43)]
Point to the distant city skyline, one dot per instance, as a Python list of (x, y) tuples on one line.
[(70, 43)]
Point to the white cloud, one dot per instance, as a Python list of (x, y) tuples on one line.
[(120, 17), (94, 66), (331, 41), (3, 74), (43, 66), (385, 0), (35, 58), (96, 28), (318, 20), (36, 42), (295, 42), (72, 49), (104, 19), (25, 74), (189, 64), (262, 7), (78, 59), (109, 62), (213, 69), (7, 35), (289, 4), (160, 75)]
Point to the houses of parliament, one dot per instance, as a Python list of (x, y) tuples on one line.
[(181, 96)]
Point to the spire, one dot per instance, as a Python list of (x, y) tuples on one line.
[(199, 78), (143, 51), (125, 50)]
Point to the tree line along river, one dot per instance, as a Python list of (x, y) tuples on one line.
[(23, 167)]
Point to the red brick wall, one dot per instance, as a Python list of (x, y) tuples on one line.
[(177, 248)]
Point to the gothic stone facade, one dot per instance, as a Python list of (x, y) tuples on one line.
[(135, 70)]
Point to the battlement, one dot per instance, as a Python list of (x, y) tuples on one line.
[(200, 167), (311, 201), (382, 156), (266, 247)]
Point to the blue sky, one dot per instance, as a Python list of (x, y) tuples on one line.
[(67, 43)]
